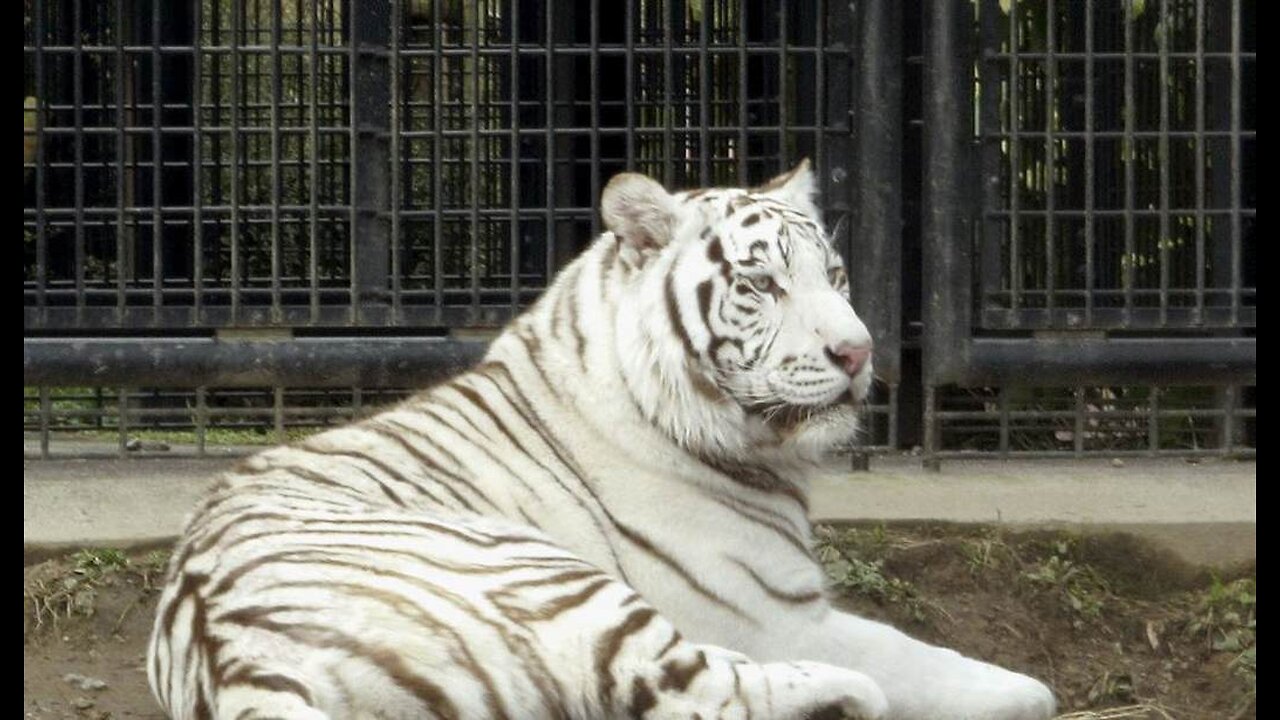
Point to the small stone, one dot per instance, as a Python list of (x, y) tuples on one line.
[(1117, 463), (82, 703), (85, 682)]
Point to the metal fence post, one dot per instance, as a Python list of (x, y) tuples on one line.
[(947, 225), (370, 97)]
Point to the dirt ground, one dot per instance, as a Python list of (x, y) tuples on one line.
[(1116, 627)]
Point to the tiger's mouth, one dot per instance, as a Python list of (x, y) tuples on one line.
[(789, 419)]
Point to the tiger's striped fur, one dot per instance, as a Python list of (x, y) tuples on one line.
[(577, 527)]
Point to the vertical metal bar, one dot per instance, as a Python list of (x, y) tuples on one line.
[(513, 201), (157, 165), (474, 147), (1200, 169), (1002, 401), (1236, 164), (370, 156), (202, 420), (876, 240), (1153, 417), (704, 98), (1078, 436), (630, 100), (277, 413), (1015, 162), (46, 416), (1230, 400), (1130, 156), (594, 82), (277, 311), (932, 434), (122, 426), (313, 142), (744, 112), (784, 86), (1050, 156), (397, 156), (947, 223), (893, 414), (550, 178), (197, 165), (1162, 246), (992, 120), (1089, 161), (668, 107), (820, 101), (42, 248), (77, 111), (237, 9), (122, 144), (438, 166)]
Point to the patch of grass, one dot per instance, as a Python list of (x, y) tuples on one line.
[(844, 553), (1079, 588), (58, 589), (1225, 619)]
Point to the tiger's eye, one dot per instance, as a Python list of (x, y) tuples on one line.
[(763, 283)]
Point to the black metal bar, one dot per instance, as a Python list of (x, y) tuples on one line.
[(124, 267), (513, 167), (1051, 90), (877, 240), (157, 158), (1200, 157), (1236, 160), (313, 146), (77, 73), (370, 157), (1014, 124), (237, 97), (274, 114), (42, 240), (395, 149), (744, 114), (437, 152), (946, 223), (474, 201), (193, 362), (705, 99), (46, 414), (1128, 152), (197, 172), (1094, 361)]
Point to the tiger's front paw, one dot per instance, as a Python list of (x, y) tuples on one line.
[(823, 692)]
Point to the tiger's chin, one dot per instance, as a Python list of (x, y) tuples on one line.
[(810, 432)]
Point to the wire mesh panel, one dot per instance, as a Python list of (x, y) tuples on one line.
[(273, 162), (512, 114), (185, 163), (1118, 144)]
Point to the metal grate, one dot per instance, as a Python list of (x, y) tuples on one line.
[(187, 163), (278, 163), (1119, 421), (1119, 186)]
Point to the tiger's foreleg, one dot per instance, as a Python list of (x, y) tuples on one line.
[(635, 664)]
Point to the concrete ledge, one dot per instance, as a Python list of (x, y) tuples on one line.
[(1205, 512)]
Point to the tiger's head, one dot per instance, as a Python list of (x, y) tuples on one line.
[(734, 328)]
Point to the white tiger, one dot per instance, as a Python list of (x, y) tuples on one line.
[(576, 527)]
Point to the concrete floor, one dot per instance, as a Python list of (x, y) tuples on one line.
[(1206, 511)]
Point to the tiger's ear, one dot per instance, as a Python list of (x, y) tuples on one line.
[(797, 187), (638, 210)]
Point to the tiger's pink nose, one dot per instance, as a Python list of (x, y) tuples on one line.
[(849, 357)]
